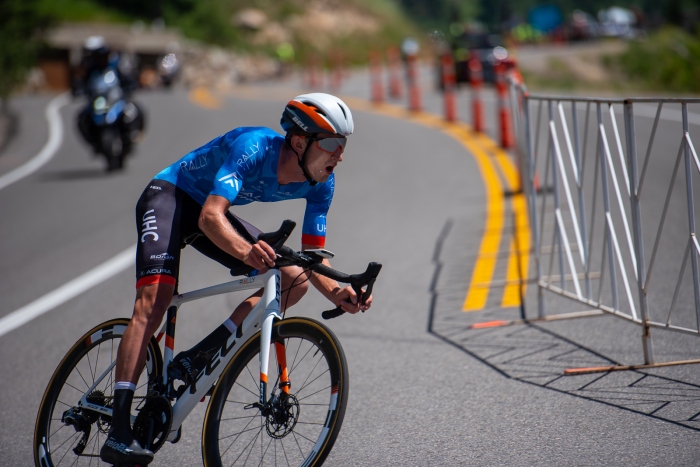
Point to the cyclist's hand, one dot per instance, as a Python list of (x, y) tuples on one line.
[(346, 298), (261, 256)]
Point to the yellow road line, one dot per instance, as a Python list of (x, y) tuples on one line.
[(488, 250), (202, 97), (520, 241)]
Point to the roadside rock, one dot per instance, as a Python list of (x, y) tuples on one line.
[(250, 18), (219, 68)]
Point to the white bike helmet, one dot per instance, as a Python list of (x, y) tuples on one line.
[(318, 113), (313, 114)]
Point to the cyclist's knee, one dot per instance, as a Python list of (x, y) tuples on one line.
[(297, 278), (151, 303)]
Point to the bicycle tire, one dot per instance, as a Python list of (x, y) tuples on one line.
[(321, 401), (54, 441)]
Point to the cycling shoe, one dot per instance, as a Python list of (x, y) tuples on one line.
[(124, 452)]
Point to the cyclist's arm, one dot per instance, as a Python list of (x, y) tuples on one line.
[(343, 297), (213, 222)]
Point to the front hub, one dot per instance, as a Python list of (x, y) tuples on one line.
[(282, 415)]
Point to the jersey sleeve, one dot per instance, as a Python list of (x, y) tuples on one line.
[(244, 157), (318, 201)]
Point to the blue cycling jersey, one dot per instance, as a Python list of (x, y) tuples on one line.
[(241, 166)]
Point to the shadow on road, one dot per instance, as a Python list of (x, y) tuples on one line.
[(534, 355), (74, 174)]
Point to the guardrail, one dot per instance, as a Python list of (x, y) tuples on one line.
[(599, 229)]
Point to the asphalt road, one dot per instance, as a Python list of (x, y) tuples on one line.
[(425, 390)]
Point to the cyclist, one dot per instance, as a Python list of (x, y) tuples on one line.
[(188, 203)]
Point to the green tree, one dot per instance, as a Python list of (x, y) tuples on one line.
[(20, 28)]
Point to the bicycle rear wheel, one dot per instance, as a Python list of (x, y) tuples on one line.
[(304, 425), (66, 434)]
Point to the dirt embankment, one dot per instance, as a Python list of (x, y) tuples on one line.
[(569, 66)]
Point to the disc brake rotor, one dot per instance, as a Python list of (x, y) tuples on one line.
[(283, 415)]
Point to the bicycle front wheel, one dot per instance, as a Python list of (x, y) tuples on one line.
[(298, 428), (70, 435)]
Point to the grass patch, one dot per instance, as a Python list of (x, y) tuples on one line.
[(668, 61), (81, 11)]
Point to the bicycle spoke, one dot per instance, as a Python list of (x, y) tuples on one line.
[(320, 390), (252, 446), (237, 435), (87, 355), (302, 359), (307, 439), (284, 451), (264, 453), (312, 381), (82, 377), (95, 443), (239, 432), (243, 387), (97, 359), (59, 429), (255, 381), (296, 354), (61, 445), (239, 418), (294, 435), (79, 391)]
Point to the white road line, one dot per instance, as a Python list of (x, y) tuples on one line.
[(67, 291), (47, 152)]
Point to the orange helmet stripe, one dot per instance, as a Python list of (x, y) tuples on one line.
[(318, 120)]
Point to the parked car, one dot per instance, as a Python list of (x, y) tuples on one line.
[(488, 47)]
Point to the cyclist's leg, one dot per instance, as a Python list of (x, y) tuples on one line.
[(157, 260), (158, 220), (149, 308)]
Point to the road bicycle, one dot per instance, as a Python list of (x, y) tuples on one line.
[(295, 424)]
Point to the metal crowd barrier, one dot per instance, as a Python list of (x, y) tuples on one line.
[(595, 172)]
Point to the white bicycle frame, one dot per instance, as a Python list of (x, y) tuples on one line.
[(261, 317)]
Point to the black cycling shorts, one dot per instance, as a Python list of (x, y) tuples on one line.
[(166, 221)]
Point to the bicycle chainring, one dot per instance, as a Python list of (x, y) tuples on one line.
[(154, 421)]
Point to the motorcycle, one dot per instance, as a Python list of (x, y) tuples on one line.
[(110, 123), (168, 69)]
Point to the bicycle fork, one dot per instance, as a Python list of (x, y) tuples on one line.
[(272, 298)]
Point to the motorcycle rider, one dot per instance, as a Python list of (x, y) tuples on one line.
[(97, 59)]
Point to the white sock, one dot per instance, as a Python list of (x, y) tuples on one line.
[(230, 326), (125, 385)]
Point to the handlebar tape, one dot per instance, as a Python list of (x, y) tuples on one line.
[(334, 313)]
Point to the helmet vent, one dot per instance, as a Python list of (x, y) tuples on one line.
[(343, 110), (318, 110)]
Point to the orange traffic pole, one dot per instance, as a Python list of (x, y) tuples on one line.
[(476, 80), (393, 56), (312, 69), (503, 111), (335, 73), (448, 86), (414, 97), (375, 71)]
